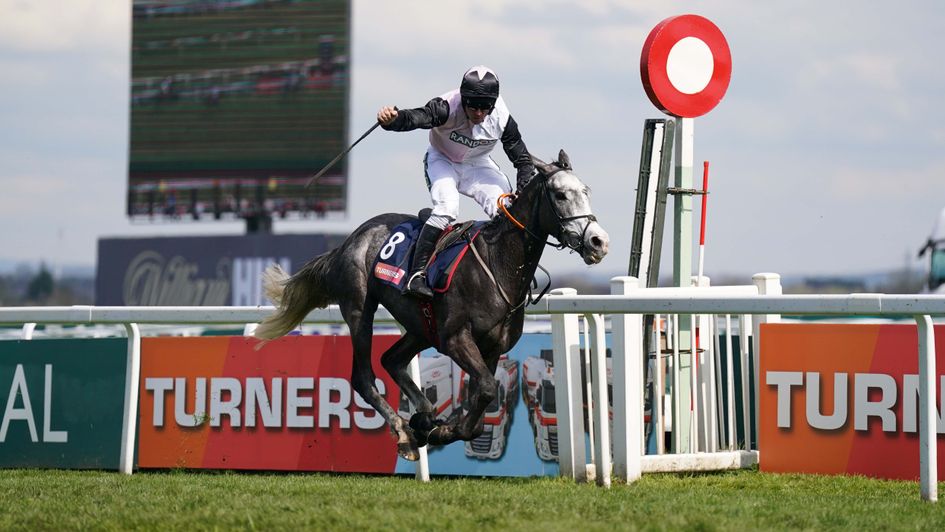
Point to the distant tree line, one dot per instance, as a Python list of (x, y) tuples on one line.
[(39, 287)]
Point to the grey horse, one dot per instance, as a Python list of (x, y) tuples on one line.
[(478, 319)]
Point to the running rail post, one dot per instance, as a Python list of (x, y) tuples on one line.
[(744, 324), (423, 463), (422, 466), (566, 340), (602, 462), (768, 284), (928, 432), (129, 425), (627, 371)]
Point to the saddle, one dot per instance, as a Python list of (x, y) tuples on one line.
[(393, 260)]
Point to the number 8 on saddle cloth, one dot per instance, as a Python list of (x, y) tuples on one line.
[(393, 260)]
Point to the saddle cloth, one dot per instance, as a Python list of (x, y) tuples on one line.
[(393, 260)]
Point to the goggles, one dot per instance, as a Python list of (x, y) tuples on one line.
[(480, 104)]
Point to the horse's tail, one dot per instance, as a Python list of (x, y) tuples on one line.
[(294, 297)]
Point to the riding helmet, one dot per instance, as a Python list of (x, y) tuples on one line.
[(480, 87)]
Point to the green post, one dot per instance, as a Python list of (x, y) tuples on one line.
[(682, 277)]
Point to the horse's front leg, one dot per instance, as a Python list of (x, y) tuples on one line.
[(361, 324), (396, 360), (482, 390)]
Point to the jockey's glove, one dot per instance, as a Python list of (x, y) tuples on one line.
[(525, 174)]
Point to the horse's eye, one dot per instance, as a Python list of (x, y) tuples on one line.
[(560, 196)]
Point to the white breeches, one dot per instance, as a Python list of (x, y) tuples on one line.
[(479, 179)]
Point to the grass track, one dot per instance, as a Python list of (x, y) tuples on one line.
[(39, 499)]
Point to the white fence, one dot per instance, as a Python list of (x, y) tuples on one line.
[(703, 438), (626, 308)]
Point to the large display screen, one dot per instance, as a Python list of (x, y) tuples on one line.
[(235, 104)]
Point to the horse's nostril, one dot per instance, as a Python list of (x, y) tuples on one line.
[(596, 242)]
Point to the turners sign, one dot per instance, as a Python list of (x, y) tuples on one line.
[(839, 398)]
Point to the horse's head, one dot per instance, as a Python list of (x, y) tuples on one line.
[(565, 209)]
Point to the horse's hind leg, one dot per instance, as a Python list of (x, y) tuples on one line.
[(482, 390), (361, 323), (395, 361)]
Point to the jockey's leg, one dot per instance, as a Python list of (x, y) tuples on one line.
[(482, 181), (441, 178), (416, 284)]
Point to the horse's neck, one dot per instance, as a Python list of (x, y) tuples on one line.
[(516, 252)]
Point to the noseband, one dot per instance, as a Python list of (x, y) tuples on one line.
[(566, 238)]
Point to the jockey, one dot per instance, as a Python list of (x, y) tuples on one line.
[(465, 124)]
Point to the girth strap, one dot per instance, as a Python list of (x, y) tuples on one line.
[(429, 322)]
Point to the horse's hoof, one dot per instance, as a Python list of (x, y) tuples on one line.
[(421, 437), (408, 452), (441, 435), (422, 422)]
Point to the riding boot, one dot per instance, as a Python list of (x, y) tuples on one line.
[(417, 279)]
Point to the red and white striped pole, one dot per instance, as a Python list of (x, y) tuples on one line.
[(705, 197), (695, 372)]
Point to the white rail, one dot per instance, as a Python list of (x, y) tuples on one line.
[(821, 305), (84, 314), (628, 362)]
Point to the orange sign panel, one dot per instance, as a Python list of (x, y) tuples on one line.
[(843, 399)]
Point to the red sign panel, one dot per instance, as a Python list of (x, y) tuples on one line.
[(216, 402)]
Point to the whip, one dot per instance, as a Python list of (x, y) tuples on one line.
[(340, 155)]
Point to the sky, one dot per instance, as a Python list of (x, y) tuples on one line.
[(827, 153)]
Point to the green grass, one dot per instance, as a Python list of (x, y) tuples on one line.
[(37, 499)]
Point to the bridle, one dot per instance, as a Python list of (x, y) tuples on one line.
[(566, 238)]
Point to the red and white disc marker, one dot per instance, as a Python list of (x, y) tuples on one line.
[(686, 66)]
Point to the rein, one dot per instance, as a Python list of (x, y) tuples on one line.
[(506, 212)]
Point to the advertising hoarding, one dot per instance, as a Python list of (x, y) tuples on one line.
[(218, 403), (843, 399), (209, 270), (61, 402)]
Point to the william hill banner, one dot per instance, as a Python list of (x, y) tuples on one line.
[(198, 270), (843, 399), (215, 402)]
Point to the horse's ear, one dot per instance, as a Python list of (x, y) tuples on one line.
[(564, 161), (542, 166)]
